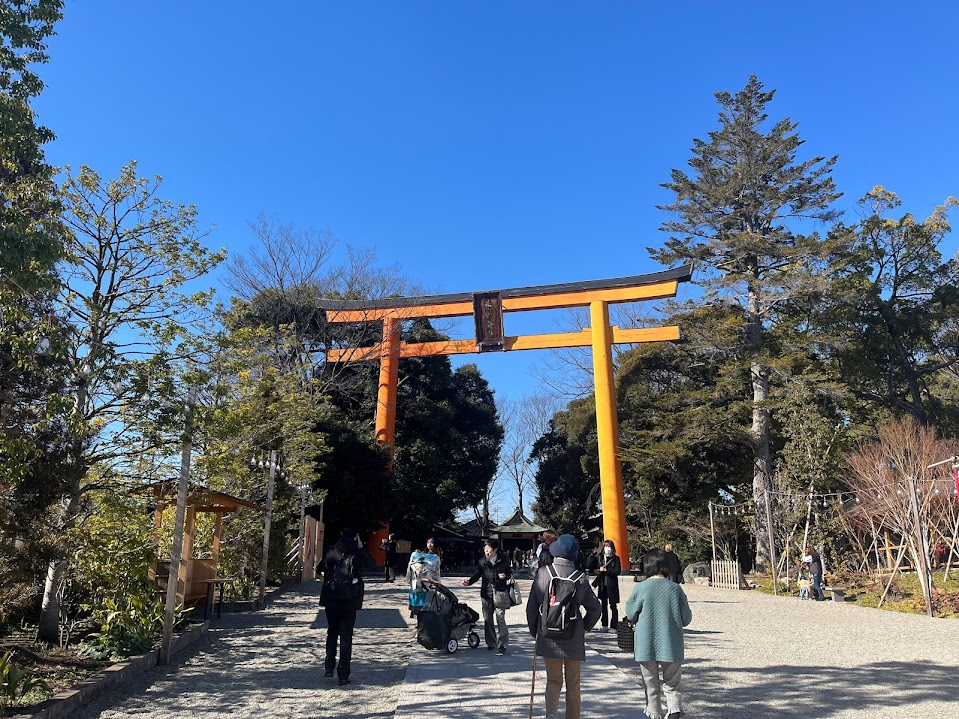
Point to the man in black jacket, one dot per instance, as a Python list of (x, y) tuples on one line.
[(389, 563), (342, 602), (494, 570)]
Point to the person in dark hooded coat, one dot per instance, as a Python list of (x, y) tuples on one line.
[(562, 657), (341, 612)]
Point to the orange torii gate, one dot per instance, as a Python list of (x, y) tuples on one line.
[(487, 309)]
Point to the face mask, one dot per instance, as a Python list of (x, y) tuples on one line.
[(608, 551)]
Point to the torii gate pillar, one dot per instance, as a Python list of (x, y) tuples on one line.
[(386, 392), (607, 430)]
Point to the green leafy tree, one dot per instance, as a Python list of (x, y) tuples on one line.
[(683, 420), (566, 497), (740, 212), (31, 236), (32, 370), (893, 313), (127, 295), (447, 439)]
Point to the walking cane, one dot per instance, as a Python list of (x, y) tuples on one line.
[(532, 689)]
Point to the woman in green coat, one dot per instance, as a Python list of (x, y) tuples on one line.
[(660, 610)]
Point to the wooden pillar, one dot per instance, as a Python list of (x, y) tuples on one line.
[(386, 393), (217, 530), (607, 430)]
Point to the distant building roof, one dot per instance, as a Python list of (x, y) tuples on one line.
[(518, 524), (474, 528)]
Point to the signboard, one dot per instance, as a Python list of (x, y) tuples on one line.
[(488, 318)]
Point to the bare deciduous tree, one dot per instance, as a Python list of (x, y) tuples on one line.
[(524, 422), (882, 472)]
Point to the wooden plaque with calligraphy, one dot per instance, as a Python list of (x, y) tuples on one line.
[(488, 317)]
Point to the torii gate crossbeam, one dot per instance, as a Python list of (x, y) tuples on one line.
[(487, 309)]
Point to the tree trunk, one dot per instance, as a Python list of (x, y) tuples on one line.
[(49, 628), (762, 474)]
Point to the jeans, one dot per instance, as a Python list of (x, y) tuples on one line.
[(662, 692), (498, 637), (817, 583), (340, 619), (555, 668)]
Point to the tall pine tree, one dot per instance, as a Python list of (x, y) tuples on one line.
[(739, 216)]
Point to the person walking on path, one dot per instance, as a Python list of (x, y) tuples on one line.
[(343, 569), (563, 657), (607, 567), (813, 561), (675, 567), (543, 555), (494, 570), (660, 610), (424, 567), (389, 550)]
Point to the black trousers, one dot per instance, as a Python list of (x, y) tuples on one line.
[(340, 618), (608, 608)]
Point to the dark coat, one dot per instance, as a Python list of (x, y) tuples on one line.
[(606, 583), (489, 570), (544, 557), (675, 567), (574, 648), (362, 562)]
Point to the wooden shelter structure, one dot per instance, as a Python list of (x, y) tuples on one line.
[(195, 577), (487, 309)]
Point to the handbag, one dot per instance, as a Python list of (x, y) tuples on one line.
[(515, 596), (326, 593), (502, 600), (625, 635)]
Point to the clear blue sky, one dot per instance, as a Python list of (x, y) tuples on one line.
[(493, 144)]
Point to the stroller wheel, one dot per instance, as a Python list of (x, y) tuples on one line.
[(452, 645), (472, 639)]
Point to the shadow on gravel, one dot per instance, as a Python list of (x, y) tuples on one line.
[(792, 692)]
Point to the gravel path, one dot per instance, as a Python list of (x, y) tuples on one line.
[(749, 656), (754, 656), (270, 664)]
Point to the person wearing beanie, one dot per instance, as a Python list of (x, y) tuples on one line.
[(563, 657), (340, 610)]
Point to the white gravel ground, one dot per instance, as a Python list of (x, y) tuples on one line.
[(752, 656), (269, 665), (749, 656)]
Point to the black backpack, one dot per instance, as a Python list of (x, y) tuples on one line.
[(343, 583), (560, 609)]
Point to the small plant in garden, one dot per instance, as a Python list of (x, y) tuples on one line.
[(242, 588), (128, 628), (15, 682)]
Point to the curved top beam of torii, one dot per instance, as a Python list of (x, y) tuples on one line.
[(570, 294)]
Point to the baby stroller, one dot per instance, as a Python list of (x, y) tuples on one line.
[(444, 621)]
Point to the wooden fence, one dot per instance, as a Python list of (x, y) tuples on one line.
[(726, 575)]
